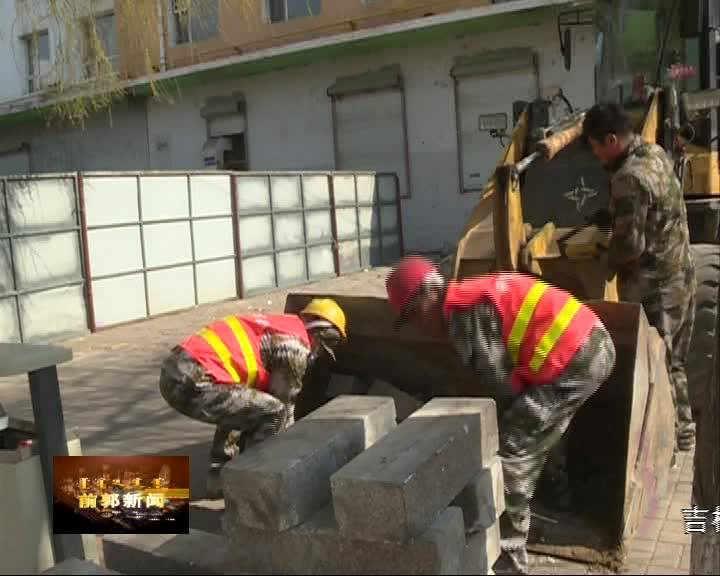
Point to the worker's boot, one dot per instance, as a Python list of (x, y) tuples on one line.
[(226, 445), (515, 562)]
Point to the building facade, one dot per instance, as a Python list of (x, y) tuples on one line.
[(424, 89)]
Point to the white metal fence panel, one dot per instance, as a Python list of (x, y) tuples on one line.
[(140, 244), (285, 230), (41, 266), (158, 243), (367, 217)]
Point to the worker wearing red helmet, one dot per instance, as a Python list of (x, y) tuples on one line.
[(541, 355)]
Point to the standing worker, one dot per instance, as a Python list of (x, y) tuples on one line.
[(542, 355), (244, 373), (650, 243)]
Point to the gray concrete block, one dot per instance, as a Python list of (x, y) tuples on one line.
[(395, 489), (317, 547), (77, 566), (482, 550), (194, 553), (404, 403), (484, 409), (483, 499), (376, 413), (283, 481), (346, 384)]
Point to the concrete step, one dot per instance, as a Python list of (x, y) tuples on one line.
[(197, 552), (205, 515), (318, 547)]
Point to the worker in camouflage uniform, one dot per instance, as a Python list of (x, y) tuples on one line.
[(244, 373), (537, 351), (650, 243)]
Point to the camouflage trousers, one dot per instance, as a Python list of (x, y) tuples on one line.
[(242, 416), (533, 424), (670, 308)]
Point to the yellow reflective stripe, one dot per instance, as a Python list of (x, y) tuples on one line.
[(221, 350), (246, 347), (553, 334), (523, 318)]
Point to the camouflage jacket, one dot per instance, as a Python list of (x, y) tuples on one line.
[(477, 337), (287, 359), (650, 242)]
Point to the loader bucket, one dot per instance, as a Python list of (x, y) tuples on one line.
[(619, 444)]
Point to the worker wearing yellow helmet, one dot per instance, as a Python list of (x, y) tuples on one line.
[(244, 373)]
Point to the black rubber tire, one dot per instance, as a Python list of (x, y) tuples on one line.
[(699, 366)]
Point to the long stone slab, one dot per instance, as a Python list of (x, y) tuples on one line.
[(375, 413), (395, 489), (317, 547), (346, 384), (404, 403), (197, 552), (483, 499), (482, 550), (283, 481)]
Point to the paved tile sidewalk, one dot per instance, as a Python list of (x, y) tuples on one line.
[(661, 545)]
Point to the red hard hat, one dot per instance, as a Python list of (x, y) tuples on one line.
[(406, 279)]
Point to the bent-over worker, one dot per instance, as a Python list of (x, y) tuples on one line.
[(541, 353), (244, 373), (650, 243)]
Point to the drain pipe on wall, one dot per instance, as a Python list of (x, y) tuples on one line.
[(162, 32)]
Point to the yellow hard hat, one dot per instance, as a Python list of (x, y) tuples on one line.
[(327, 309)]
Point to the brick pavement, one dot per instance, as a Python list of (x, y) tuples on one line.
[(110, 399), (661, 545)]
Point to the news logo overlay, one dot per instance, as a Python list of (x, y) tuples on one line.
[(121, 494)]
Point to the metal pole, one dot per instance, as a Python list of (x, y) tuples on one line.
[(52, 441), (236, 236), (89, 302), (333, 224), (192, 240), (142, 246)]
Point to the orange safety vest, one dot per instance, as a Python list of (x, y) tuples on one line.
[(230, 349), (543, 326)]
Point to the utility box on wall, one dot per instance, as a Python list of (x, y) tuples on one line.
[(214, 153), (26, 543)]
